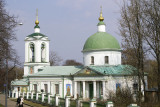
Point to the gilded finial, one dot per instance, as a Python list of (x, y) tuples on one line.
[(37, 22), (101, 18)]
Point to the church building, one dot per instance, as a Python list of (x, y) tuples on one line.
[(101, 74)]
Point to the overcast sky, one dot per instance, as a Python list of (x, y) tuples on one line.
[(67, 23)]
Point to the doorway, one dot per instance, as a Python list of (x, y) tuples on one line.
[(91, 91)]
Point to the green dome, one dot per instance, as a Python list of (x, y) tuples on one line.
[(36, 34), (101, 41)]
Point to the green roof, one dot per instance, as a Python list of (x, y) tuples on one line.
[(57, 70), (101, 41), (115, 70), (19, 82), (36, 34), (36, 26), (101, 23)]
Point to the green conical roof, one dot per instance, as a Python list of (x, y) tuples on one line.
[(101, 41)]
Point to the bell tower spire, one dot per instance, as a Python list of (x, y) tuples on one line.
[(37, 28), (37, 22)]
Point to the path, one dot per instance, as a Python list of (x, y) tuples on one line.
[(10, 103)]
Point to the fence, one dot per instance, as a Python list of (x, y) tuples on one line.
[(50, 100), (61, 102), (72, 103), (85, 104)]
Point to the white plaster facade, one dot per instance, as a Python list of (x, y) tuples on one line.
[(99, 57), (41, 58)]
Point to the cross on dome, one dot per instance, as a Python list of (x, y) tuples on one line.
[(101, 18)]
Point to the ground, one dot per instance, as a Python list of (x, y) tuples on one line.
[(10, 103)]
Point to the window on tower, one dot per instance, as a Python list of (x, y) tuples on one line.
[(31, 70), (43, 52), (106, 60), (92, 60), (32, 52)]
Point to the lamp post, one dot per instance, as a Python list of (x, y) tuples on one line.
[(6, 79)]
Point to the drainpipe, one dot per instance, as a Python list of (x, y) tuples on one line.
[(63, 88)]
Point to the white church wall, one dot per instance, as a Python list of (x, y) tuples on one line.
[(26, 70), (124, 81), (99, 57)]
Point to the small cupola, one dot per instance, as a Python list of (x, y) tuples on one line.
[(101, 25)]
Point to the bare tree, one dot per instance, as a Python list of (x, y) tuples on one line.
[(8, 57), (54, 59), (72, 62), (151, 19), (131, 29)]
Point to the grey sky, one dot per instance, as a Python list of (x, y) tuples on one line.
[(67, 23)]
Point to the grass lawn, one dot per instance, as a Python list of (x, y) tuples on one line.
[(1, 105), (30, 103)]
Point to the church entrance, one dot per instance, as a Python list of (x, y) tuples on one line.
[(91, 91)]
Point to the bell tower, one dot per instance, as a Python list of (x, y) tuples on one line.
[(36, 50)]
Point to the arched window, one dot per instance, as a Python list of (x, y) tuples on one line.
[(106, 60), (32, 52), (43, 53), (92, 60)]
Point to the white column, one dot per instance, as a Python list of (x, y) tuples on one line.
[(60, 91), (92, 103), (30, 87), (67, 101), (27, 95), (56, 100), (43, 97), (31, 95), (84, 89), (49, 99), (16, 94), (49, 88), (94, 89), (26, 51), (37, 96), (75, 89), (104, 88), (47, 51), (23, 94), (52, 89), (37, 51)]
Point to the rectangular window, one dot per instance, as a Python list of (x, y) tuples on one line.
[(45, 88), (106, 60), (31, 70), (35, 88), (92, 60), (57, 88)]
